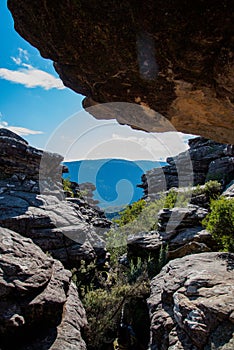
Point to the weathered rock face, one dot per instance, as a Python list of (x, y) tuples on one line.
[(40, 307), (179, 229), (176, 59), (63, 228), (209, 161), (191, 303), (17, 157)]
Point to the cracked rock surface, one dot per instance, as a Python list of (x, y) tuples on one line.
[(192, 305), (40, 307), (32, 203)]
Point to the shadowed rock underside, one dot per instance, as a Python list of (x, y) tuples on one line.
[(174, 57)]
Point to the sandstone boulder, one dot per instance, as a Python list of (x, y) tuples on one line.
[(192, 305), (40, 307)]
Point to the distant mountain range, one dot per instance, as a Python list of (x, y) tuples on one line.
[(116, 180)]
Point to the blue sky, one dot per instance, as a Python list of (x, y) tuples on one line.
[(35, 104), (28, 98)]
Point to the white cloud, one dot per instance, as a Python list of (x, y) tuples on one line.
[(23, 54), (16, 60), (158, 145), (31, 78), (19, 130), (28, 75)]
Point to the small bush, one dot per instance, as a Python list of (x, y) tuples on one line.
[(67, 187), (220, 223), (211, 188), (104, 307), (130, 213), (178, 199)]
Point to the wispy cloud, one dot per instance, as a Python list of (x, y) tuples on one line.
[(28, 75), (19, 130), (16, 60)]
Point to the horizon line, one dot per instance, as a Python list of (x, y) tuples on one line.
[(115, 158)]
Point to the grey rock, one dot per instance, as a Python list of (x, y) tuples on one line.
[(39, 209), (144, 244), (40, 307), (221, 169), (18, 158), (170, 220), (52, 224), (229, 191), (192, 302), (205, 160)]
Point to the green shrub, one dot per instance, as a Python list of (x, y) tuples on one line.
[(141, 217), (211, 188), (220, 223), (103, 308), (177, 198), (67, 187), (130, 213)]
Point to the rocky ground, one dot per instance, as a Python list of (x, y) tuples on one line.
[(40, 307), (192, 305), (191, 300)]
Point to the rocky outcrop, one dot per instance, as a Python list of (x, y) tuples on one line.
[(40, 307), (174, 58), (19, 159), (33, 204), (179, 230), (205, 160), (191, 303)]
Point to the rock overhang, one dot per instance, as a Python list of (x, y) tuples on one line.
[(173, 58)]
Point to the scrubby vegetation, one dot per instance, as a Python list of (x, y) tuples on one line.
[(72, 190), (106, 289), (211, 188), (142, 216), (131, 212), (67, 187), (220, 223)]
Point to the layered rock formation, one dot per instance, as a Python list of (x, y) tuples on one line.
[(40, 307), (179, 229), (191, 304), (205, 160), (33, 204), (171, 57)]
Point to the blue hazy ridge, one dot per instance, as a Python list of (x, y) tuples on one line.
[(115, 180)]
